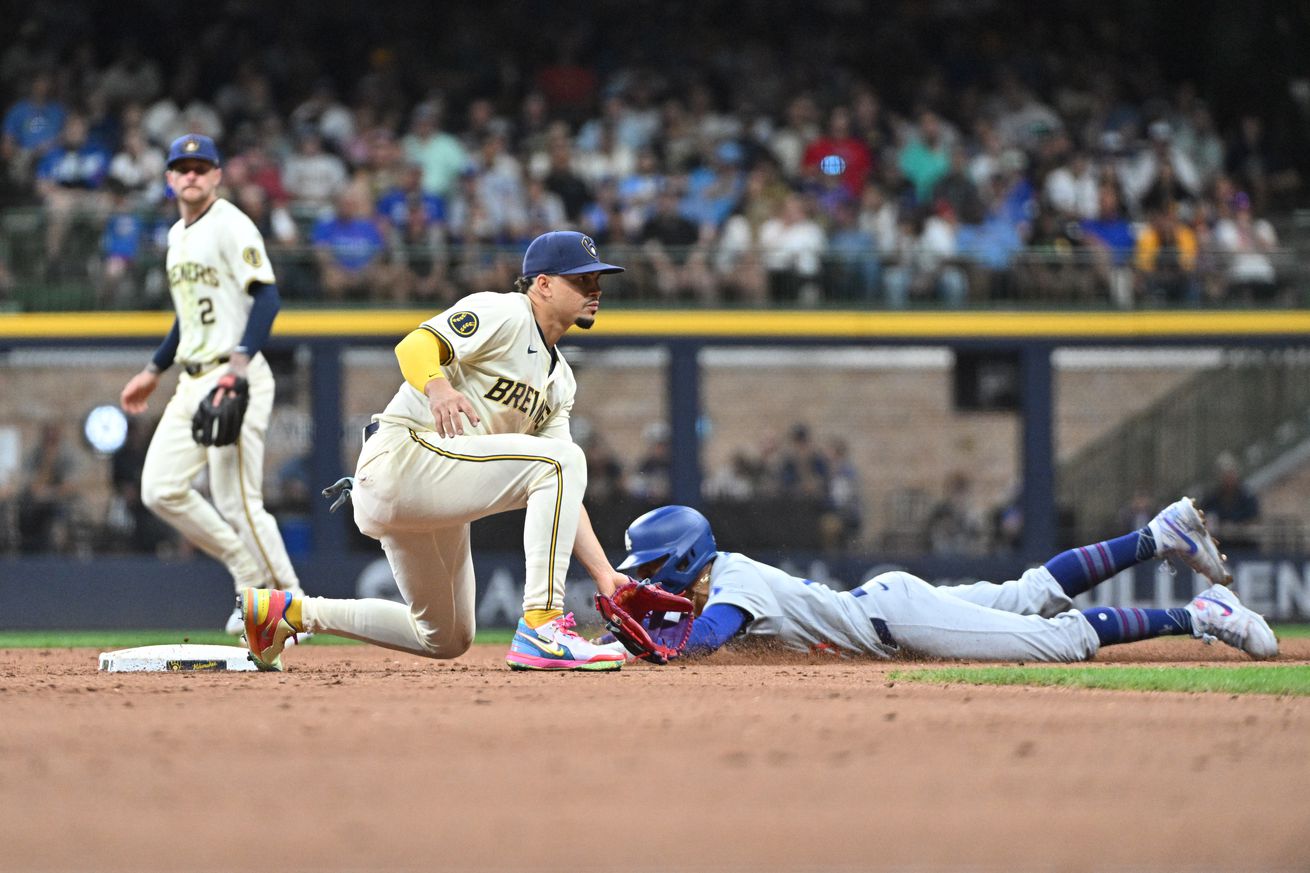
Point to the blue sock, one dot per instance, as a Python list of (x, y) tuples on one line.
[(1085, 567), (1114, 625)]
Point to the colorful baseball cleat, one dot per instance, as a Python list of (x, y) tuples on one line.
[(267, 629), (1218, 614), (1179, 531), (555, 646)]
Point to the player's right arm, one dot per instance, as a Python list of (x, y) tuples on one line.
[(143, 384), (421, 355)]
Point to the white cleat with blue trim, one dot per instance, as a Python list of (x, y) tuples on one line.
[(1218, 614), (1179, 531)]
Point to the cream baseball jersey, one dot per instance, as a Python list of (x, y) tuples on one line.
[(211, 265), (500, 362)]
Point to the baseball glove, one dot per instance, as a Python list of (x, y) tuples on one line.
[(638, 609), (217, 421)]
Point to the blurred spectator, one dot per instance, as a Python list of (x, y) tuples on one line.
[(561, 178), (181, 111), (396, 204), (31, 128), (1111, 242), (605, 475), (957, 189), (421, 257), (69, 179), (439, 153), (802, 468), (650, 478), (603, 157), (839, 153), (1053, 266), (1248, 243), (853, 267), (1022, 120), (788, 142), (131, 76), (794, 245), (47, 490), (544, 211), (926, 158), (671, 242), (839, 526), (1257, 166), (351, 253), (1231, 509), (639, 189), (282, 238), (500, 189), (327, 116), (955, 524), (313, 177), (738, 270), (1071, 188), (602, 219), (139, 168), (1138, 511), (1165, 257), (120, 248), (734, 480), (130, 522), (925, 261), (714, 188), (257, 166)]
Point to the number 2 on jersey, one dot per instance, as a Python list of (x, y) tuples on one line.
[(206, 310)]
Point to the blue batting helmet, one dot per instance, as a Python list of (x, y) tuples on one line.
[(678, 534)]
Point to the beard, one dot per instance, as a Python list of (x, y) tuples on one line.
[(584, 321)]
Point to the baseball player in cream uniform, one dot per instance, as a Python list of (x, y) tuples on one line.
[(479, 426), (225, 300)]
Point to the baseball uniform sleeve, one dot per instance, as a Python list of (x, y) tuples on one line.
[(245, 252), (737, 582)]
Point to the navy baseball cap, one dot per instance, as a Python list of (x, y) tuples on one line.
[(193, 145), (564, 253)]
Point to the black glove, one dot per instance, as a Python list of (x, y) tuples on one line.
[(217, 421), (339, 493)]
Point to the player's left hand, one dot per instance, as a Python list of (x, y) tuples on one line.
[(635, 608), (217, 421)]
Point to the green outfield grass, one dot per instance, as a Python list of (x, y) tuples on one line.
[(1240, 679), (127, 639)]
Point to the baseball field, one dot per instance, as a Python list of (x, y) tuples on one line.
[(358, 758)]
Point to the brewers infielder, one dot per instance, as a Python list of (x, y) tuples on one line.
[(225, 300), (1031, 618), (479, 426)]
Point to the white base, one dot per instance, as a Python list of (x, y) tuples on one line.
[(177, 659)]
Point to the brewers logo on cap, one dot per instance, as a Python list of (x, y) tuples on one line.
[(191, 146), (590, 247)]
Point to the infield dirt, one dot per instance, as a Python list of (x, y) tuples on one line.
[(363, 759)]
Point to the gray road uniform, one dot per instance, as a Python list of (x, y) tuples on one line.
[(1029, 618)]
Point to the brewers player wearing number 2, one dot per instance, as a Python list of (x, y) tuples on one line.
[(479, 426), (225, 300)]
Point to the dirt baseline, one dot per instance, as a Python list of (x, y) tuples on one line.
[(363, 759)]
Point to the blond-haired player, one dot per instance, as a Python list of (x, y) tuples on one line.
[(225, 300), (479, 426)]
